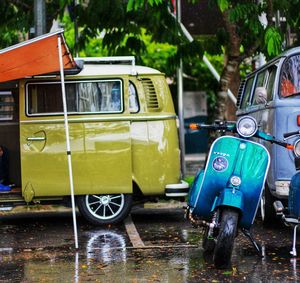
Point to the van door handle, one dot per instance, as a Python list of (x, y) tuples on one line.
[(36, 139)]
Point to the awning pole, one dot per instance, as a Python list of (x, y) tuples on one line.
[(62, 78)]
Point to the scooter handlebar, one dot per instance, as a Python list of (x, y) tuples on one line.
[(231, 127), (272, 139), (287, 135), (214, 127)]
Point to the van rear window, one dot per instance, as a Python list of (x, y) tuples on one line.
[(103, 96)]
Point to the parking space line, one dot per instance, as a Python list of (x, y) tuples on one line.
[(133, 233)]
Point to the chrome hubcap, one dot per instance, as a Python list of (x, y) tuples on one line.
[(105, 206)]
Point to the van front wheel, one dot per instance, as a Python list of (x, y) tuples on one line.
[(104, 209)]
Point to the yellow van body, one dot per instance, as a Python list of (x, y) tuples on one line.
[(123, 138)]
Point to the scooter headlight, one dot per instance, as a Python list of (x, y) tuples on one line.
[(297, 148), (246, 126)]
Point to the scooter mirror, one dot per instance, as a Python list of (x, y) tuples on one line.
[(297, 163)]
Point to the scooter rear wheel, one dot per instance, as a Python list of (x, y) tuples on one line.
[(225, 239)]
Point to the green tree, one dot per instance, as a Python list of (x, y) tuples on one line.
[(243, 36), (141, 27), (16, 18)]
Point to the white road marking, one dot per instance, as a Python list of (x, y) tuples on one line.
[(133, 233)]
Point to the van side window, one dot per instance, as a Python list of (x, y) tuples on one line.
[(271, 82), (290, 77), (247, 93), (133, 99), (260, 83), (264, 86), (6, 106), (82, 97)]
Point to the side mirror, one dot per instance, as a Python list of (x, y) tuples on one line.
[(261, 95)]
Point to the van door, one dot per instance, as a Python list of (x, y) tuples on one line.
[(99, 137)]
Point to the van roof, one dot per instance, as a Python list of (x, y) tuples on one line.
[(113, 69)]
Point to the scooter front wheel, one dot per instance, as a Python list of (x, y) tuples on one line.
[(226, 236)]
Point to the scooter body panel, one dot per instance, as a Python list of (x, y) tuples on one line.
[(294, 196), (231, 156)]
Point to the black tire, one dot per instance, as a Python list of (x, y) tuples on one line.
[(268, 213), (104, 209), (225, 239), (208, 244)]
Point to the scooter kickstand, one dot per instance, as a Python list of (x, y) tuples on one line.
[(293, 252), (254, 243)]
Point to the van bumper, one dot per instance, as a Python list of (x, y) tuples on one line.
[(282, 188), (177, 190)]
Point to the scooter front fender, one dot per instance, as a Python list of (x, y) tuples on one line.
[(231, 198)]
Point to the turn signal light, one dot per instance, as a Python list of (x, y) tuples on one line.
[(298, 120), (290, 146), (193, 126)]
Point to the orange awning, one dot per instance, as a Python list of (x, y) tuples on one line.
[(36, 56)]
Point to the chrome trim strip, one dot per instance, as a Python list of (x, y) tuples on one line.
[(102, 119)]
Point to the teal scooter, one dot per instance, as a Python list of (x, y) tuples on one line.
[(225, 195)]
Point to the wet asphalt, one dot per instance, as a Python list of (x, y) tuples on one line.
[(39, 247)]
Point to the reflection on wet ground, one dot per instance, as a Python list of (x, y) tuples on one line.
[(40, 249)]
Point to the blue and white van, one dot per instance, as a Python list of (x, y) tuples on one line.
[(271, 94)]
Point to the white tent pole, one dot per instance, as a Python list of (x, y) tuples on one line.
[(63, 89), (217, 77)]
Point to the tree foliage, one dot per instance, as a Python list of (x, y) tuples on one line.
[(15, 21), (17, 17), (149, 30)]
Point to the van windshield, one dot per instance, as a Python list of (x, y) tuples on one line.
[(290, 77)]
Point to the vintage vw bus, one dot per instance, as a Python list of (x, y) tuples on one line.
[(272, 95), (123, 137)]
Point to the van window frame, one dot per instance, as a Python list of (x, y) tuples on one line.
[(269, 70), (137, 98), (266, 78), (249, 98), (281, 97), (275, 84), (74, 82)]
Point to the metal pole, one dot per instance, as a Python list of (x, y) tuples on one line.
[(181, 116), (75, 2), (180, 99), (39, 17), (67, 140)]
